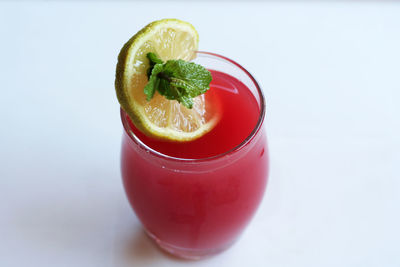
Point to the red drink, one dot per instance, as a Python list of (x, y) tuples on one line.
[(195, 198), (239, 114)]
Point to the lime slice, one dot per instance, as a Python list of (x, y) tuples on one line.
[(159, 117)]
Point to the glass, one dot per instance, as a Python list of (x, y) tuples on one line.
[(194, 208)]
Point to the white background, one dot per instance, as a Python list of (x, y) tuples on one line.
[(331, 76)]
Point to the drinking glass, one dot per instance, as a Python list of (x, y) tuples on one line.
[(194, 208)]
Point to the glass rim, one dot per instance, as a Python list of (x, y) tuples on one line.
[(233, 150)]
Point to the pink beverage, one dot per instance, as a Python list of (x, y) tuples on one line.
[(195, 198)]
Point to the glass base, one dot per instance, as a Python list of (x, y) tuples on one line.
[(184, 253)]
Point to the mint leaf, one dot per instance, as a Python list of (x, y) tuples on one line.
[(176, 80), (153, 82), (153, 58), (189, 76)]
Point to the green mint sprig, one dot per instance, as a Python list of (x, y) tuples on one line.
[(176, 80)]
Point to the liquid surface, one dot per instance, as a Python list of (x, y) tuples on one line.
[(239, 114)]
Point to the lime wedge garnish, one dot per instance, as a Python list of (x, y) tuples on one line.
[(160, 117)]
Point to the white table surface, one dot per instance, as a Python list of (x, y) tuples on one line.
[(331, 75)]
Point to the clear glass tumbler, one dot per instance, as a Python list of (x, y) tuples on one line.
[(194, 208)]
